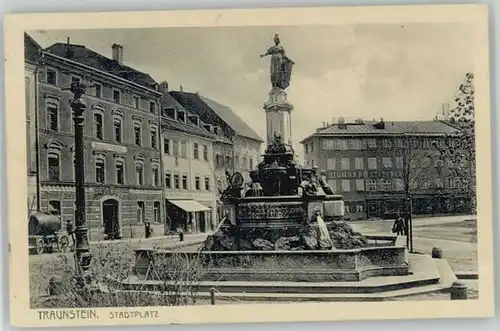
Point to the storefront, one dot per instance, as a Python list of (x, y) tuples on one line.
[(188, 215)]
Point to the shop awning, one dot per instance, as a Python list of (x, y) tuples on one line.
[(189, 205)]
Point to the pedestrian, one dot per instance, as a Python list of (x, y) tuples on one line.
[(71, 232), (398, 226), (147, 229)]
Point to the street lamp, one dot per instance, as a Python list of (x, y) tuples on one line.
[(83, 257)]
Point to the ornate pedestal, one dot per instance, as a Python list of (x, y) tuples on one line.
[(278, 116)]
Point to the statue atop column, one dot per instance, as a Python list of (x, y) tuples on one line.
[(281, 65)]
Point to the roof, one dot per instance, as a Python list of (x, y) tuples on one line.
[(391, 128), (32, 49), (167, 101), (83, 55), (198, 104)]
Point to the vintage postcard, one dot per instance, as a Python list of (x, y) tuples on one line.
[(264, 165)]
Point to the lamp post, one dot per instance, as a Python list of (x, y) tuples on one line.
[(83, 257)]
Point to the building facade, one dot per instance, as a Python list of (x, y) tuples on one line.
[(379, 167), (237, 147), (121, 140), (189, 172), (32, 53)]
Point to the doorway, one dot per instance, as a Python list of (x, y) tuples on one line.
[(110, 218), (201, 222)]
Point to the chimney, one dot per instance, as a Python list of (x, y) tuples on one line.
[(69, 49), (341, 122), (181, 89), (163, 87), (117, 53)]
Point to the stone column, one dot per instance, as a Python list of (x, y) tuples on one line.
[(278, 116)]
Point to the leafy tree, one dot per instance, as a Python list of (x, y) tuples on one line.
[(459, 150)]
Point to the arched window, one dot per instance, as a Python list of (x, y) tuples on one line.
[(98, 121), (118, 125), (139, 169), (154, 174), (52, 109), (54, 160), (119, 169), (153, 137), (100, 168)]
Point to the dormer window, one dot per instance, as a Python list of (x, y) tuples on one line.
[(181, 116), (169, 112), (216, 129), (195, 120)]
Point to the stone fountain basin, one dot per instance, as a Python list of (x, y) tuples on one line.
[(314, 265)]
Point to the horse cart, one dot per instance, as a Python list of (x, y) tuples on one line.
[(45, 234)]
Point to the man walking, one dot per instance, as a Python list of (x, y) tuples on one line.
[(398, 226), (71, 233)]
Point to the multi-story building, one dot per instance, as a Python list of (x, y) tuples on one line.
[(379, 166), (121, 141), (32, 53), (189, 171), (247, 144), (237, 147)]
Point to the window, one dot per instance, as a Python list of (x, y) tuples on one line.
[(141, 215), (341, 144), (207, 184), (51, 76), (244, 163), (346, 185), (426, 183), (52, 116), (399, 142), (328, 145), (357, 144), (99, 168), (330, 163), (184, 182), (197, 183), (117, 128), (360, 184), (98, 122), (75, 79), (137, 134), (156, 212), (54, 167), (359, 207), (98, 90), (358, 163), (137, 102), (176, 181), (152, 107), (228, 161), (184, 150), (399, 184), (372, 163), (168, 180), (251, 163), (119, 171), (175, 147), (306, 147), (55, 208), (166, 146), (154, 173), (345, 163), (399, 162), (205, 152), (387, 143), (311, 147), (153, 138), (139, 174), (371, 185), (372, 143), (387, 162), (116, 96), (195, 150)]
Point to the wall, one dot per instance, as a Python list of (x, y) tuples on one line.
[(61, 143), (30, 106), (185, 164), (246, 149)]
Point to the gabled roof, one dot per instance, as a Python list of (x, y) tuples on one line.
[(83, 55), (32, 49), (390, 128), (197, 104), (167, 101)]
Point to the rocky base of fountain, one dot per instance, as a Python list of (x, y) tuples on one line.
[(292, 239)]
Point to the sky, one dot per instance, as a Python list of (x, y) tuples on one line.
[(372, 71)]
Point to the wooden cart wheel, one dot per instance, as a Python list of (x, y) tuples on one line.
[(63, 243), (40, 246)]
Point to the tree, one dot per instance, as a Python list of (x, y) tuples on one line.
[(459, 150)]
